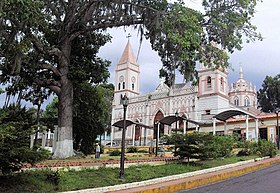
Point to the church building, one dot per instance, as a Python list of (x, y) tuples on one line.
[(198, 103)]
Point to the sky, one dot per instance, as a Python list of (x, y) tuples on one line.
[(258, 59)]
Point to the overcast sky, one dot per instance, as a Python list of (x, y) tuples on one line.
[(258, 59)]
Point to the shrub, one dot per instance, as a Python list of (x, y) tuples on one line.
[(266, 148), (219, 146), (55, 176), (114, 153), (142, 151), (16, 125), (132, 149)]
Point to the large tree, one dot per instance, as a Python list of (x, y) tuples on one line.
[(92, 114), (268, 95), (38, 39)]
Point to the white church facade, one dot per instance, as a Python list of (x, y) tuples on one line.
[(200, 103)]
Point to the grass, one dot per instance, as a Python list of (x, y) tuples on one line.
[(50, 181)]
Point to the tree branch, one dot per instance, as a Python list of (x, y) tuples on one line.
[(51, 68)]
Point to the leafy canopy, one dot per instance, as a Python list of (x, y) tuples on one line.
[(268, 95), (33, 34)]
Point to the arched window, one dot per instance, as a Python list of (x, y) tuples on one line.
[(119, 87), (132, 86), (236, 101), (246, 102), (123, 85), (222, 83), (209, 82)]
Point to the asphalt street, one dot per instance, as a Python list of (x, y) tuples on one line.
[(262, 181)]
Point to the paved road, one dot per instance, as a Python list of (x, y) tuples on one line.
[(263, 181)]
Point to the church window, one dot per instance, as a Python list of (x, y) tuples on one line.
[(123, 85), (119, 87), (132, 86), (236, 101), (222, 83), (246, 102), (209, 82), (207, 112)]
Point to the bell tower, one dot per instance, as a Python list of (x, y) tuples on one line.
[(127, 75), (212, 90)]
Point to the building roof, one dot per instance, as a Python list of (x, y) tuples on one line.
[(128, 55)]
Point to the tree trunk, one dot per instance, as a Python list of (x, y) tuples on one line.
[(64, 144)]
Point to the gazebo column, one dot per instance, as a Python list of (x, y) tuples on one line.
[(247, 127), (145, 136), (157, 139), (225, 128), (196, 128), (133, 135), (140, 138), (185, 126), (257, 129), (214, 126), (112, 135)]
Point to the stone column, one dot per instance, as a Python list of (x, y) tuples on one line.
[(185, 127), (112, 135), (133, 135), (257, 129), (55, 138), (225, 128), (214, 126), (32, 141), (247, 127), (44, 139)]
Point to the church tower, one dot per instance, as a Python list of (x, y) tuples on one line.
[(212, 91), (127, 75), (243, 93)]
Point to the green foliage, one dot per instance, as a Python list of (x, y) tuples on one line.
[(114, 153), (54, 176), (51, 109), (92, 113), (261, 148), (266, 148), (201, 145), (268, 95), (15, 130), (191, 146), (186, 36), (131, 149), (219, 146)]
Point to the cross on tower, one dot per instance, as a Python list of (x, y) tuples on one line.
[(128, 36)]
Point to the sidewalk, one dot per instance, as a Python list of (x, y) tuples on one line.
[(188, 180)]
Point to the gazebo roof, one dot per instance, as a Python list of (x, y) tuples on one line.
[(128, 123), (223, 116), (172, 118)]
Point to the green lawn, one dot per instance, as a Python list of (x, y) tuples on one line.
[(49, 181)]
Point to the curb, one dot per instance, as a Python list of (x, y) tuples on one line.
[(208, 179), (188, 180)]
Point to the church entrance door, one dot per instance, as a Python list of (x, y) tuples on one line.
[(158, 117)]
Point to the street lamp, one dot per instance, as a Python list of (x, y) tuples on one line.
[(277, 127), (124, 102), (176, 115)]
